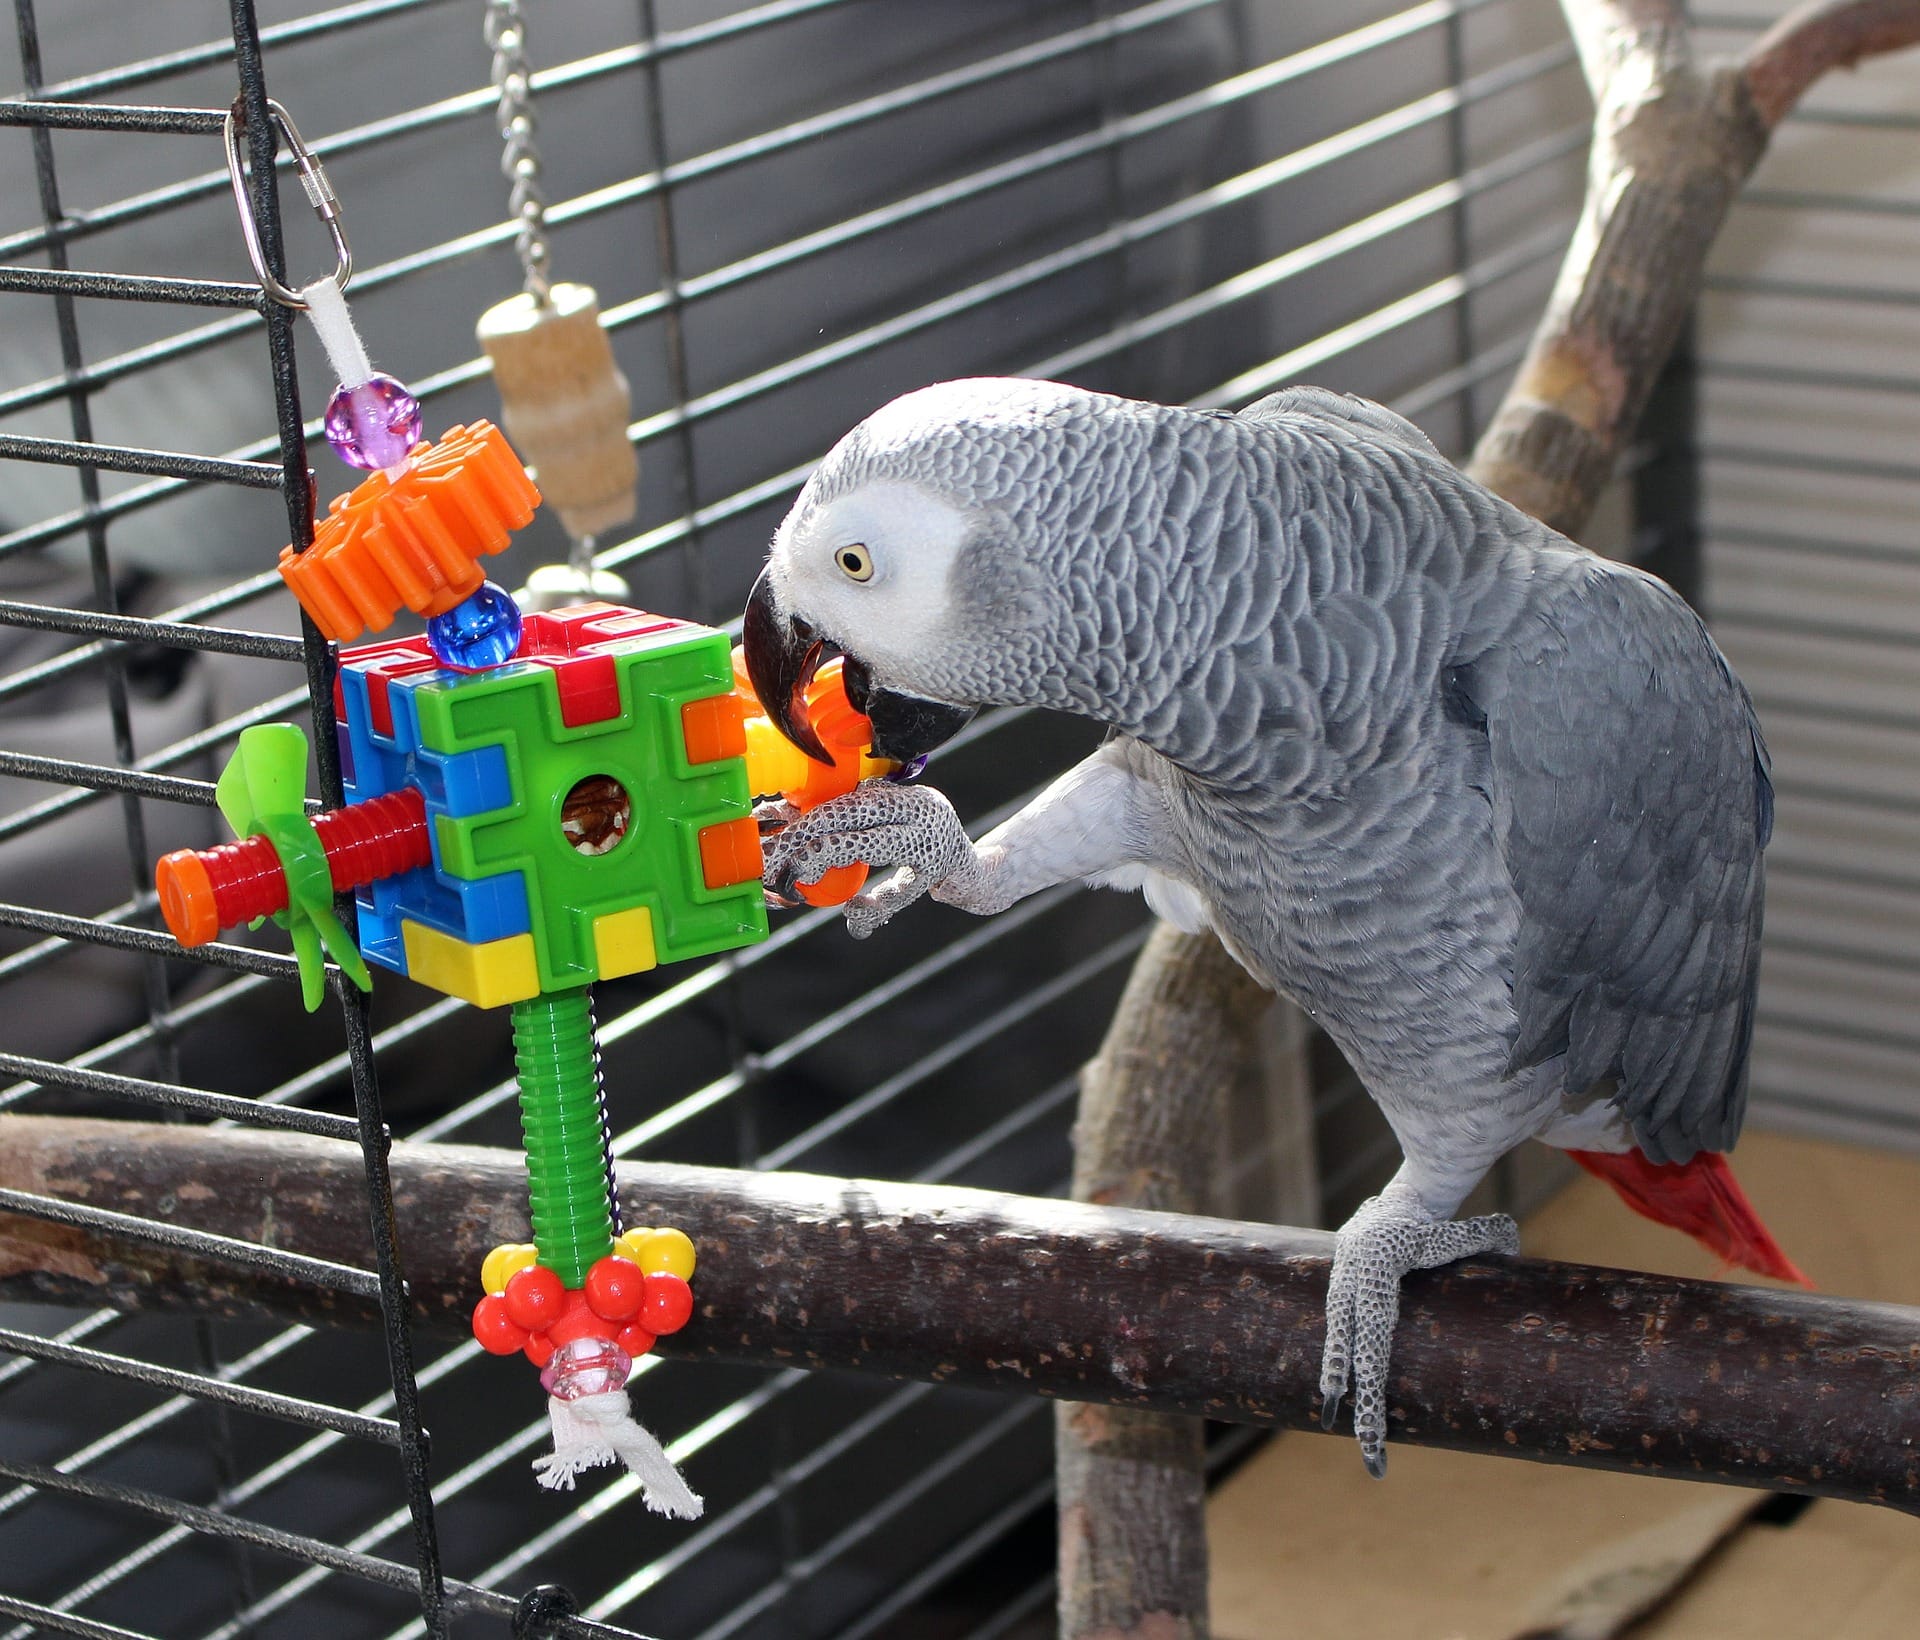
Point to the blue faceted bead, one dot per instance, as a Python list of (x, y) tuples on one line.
[(483, 631)]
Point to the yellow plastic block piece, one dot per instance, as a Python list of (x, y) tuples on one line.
[(488, 975), (623, 942)]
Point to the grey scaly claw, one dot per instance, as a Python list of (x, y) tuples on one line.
[(876, 824), (1389, 1235), (771, 814)]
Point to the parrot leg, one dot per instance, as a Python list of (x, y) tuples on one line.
[(1096, 822), (879, 823), (1388, 1235)]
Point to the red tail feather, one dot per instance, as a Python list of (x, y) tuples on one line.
[(1701, 1197)]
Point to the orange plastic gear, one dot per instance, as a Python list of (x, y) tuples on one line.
[(413, 542)]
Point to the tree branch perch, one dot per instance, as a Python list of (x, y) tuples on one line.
[(1123, 1308), (1816, 39)]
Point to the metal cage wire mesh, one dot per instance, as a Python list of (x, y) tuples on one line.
[(791, 211)]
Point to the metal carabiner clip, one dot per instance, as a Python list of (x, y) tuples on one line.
[(319, 192)]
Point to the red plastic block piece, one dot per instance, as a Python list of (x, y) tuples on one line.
[(589, 690), (577, 629), (579, 644), (379, 708)]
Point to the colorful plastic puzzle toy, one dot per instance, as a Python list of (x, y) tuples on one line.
[(535, 803)]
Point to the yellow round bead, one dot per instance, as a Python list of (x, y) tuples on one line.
[(662, 1252), (504, 1263), (626, 1245)]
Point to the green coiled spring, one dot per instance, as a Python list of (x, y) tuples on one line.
[(564, 1118)]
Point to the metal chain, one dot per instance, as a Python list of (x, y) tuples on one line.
[(506, 34)]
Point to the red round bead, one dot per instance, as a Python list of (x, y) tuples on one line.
[(615, 1287), (497, 1332), (668, 1304), (635, 1339), (540, 1348), (534, 1297), (577, 1320)]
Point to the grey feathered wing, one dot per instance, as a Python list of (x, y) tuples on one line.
[(1347, 410), (1632, 801)]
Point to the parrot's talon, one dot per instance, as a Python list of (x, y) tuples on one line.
[(773, 815), (1389, 1235)]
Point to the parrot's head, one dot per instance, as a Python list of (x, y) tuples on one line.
[(933, 548)]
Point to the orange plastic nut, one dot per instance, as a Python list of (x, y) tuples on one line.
[(730, 852), (413, 542), (834, 719), (835, 887), (714, 728), (186, 897)]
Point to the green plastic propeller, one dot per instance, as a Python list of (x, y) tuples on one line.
[(262, 793)]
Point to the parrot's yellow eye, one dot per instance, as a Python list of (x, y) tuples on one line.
[(856, 562)]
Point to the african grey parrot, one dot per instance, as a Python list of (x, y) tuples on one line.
[(1489, 807)]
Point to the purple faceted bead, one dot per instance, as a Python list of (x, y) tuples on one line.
[(375, 424)]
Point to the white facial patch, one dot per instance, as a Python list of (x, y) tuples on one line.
[(896, 619)]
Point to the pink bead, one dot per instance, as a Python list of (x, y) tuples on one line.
[(587, 1366), (373, 425)]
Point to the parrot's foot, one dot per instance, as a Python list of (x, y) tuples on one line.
[(1389, 1235), (878, 824)]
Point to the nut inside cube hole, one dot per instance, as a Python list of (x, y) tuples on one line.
[(595, 814)]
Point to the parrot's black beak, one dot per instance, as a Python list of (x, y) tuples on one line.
[(782, 653), (905, 727)]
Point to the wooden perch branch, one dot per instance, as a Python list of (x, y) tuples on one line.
[(1200, 1317), (1810, 42), (1610, 33), (1121, 1475), (1673, 142)]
